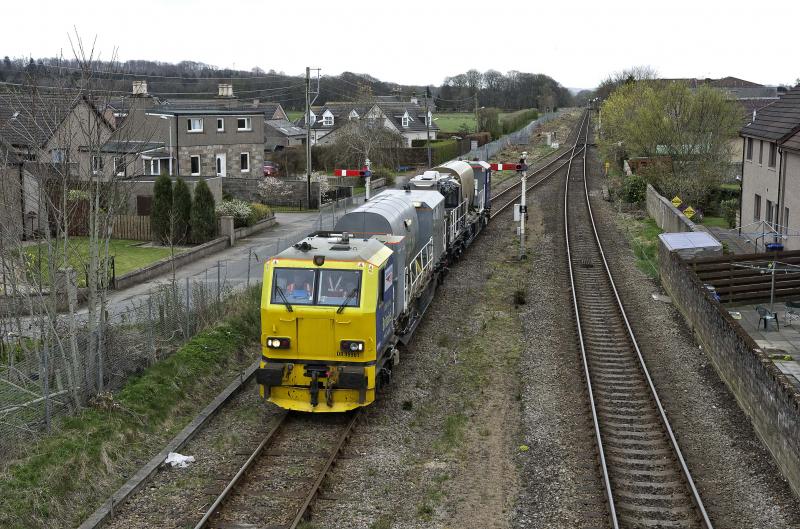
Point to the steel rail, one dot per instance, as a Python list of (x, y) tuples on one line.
[(325, 469), (233, 482), (673, 441), (595, 419)]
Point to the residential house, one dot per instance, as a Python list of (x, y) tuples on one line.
[(282, 133), (407, 119), (771, 169)]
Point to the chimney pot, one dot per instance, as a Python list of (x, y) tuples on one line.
[(225, 90), (140, 88)]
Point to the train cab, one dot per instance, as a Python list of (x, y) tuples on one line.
[(327, 313)]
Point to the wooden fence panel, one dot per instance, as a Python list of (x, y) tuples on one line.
[(134, 227)]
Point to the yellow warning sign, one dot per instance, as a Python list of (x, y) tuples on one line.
[(677, 201), (689, 212)]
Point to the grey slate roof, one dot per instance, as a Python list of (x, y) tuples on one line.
[(776, 121), (28, 120), (131, 146), (217, 104), (286, 127)]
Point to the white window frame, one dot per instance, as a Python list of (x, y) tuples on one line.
[(191, 122), (222, 128), (247, 157), (199, 170), (119, 165), (405, 121), (97, 163), (248, 124), (327, 120), (353, 115), (155, 166)]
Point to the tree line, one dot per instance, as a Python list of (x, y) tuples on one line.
[(511, 91)]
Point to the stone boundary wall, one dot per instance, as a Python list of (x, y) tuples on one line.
[(667, 217), (761, 390)]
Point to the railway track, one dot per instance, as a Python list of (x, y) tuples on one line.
[(278, 484), (646, 480), (512, 193)]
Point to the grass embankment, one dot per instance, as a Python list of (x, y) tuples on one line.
[(643, 235), (128, 256), (61, 479), (715, 222)]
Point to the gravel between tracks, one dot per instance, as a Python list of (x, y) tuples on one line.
[(739, 482)]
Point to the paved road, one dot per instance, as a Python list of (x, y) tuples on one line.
[(234, 265)]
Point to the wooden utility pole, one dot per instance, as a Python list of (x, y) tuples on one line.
[(428, 125), (477, 125), (308, 137)]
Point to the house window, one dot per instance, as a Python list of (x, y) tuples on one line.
[(155, 166), (244, 160), (769, 211), (327, 120), (58, 155), (244, 124), (353, 115), (119, 165), (405, 121), (760, 152), (195, 163), (194, 125), (757, 208), (97, 164), (749, 149), (773, 154), (786, 219), (220, 124)]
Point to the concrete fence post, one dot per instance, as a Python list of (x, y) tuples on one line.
[(226, 228)]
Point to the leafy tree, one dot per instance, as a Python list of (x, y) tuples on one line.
[(182, 210), (160, 215), (686, 133), (489, 121), (204, 219)]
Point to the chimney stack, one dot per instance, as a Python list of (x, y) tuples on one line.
[(140, 88), (225, 90)]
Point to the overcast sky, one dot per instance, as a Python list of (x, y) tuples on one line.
[(577, 43)]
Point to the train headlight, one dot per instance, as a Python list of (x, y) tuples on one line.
[(352, 346), (278, 343)]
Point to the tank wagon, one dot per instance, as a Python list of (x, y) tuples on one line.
[(336, 305)]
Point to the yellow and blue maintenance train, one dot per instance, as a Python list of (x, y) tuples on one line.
[(336, 305)]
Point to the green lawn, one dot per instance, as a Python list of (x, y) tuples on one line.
[(715, 222), (452, 121), (730, 187), (128, 256), (643, 235), (294, 115)]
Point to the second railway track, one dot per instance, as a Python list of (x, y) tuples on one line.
[(645, 477)]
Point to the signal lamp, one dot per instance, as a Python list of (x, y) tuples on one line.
[(352, 346), (278, 343)]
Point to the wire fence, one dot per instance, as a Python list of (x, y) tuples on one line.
[(53, 366), (519, 137)]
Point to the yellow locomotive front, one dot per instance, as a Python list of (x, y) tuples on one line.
[(326, 320)]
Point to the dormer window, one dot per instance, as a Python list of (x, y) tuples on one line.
[(353, 115), (406, 119), (327, 119)]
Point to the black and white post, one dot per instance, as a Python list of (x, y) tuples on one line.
[(523, 207)]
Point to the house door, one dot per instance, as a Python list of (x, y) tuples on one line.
[(221, 165)]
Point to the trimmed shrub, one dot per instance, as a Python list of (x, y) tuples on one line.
[(258, 212), (513, 122), (238, 209), (161, 210), (204, 220), (182, 207)]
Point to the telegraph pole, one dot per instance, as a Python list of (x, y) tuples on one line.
[(477, 125), (308, 138), (428, 124)]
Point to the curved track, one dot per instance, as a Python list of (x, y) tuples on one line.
[(279, 482), (645, 477), (513, 193)]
